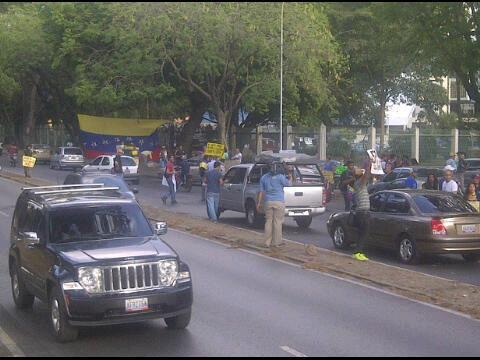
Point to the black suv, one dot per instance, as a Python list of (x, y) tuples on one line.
[(92, 255)]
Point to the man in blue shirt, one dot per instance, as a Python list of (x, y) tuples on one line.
[(214, 180), (410, 181), (271, 190)]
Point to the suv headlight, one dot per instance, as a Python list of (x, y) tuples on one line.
[(168, 272), (91, 279)]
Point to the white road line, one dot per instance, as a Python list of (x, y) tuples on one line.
[(4, 214), (292, 351), (10, 344)]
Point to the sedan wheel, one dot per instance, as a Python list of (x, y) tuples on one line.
[(407, 251), (339, 238)]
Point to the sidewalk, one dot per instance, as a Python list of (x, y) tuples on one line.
[(445, 293)]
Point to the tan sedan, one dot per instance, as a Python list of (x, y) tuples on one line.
[(414, 222)]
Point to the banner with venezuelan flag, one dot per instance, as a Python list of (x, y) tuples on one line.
[(101, 135)]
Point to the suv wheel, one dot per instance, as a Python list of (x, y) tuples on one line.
[(304, 222), (471, 257), (179, 322), (407, 251), (61, 329), (339, 237), (22, 298)]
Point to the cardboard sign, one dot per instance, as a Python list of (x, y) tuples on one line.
[(376, 168), (28, 161), (214, 149)]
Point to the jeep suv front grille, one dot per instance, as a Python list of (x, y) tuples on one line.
[(131, 277)]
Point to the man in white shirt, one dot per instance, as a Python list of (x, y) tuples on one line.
[(449, 184)]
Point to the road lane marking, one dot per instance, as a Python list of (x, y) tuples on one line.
[(10, 344), (4, 214), (292, 351)]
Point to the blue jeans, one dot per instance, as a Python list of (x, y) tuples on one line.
[(171, 190), (212, 205)]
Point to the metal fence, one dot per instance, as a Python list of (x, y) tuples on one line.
[(53, 136)]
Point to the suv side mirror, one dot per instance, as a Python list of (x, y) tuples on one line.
[(31, 238), (161, 228)]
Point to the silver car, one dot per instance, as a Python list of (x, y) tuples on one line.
[(67, 157)]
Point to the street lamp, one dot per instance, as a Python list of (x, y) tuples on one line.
[(281, 79)]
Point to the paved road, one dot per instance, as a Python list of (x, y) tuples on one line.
[(249, 305), (450, 267)]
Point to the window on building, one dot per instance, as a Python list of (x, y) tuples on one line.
[(468, 109), (453, 90)]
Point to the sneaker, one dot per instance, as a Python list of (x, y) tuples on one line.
[(360, 256)]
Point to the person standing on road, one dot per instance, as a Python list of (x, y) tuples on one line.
[(27, 152), (169, 178), (471, 196), (202, 170), (117, 163), (410, 181), (271, 191), (346, 181), (462, 166), (451, 162), (214, 180), (431, 183), (362, 211), (449, 184), (238, 155)]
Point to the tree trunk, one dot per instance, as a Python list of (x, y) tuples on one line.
[(383, 103), (30, 106), (222, 117), (459, 107), (73, 126), (190, 127)]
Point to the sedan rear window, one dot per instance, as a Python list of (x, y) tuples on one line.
[(72, 151), (430, 204), (126, 161)]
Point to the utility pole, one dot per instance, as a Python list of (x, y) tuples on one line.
[(281, 80)]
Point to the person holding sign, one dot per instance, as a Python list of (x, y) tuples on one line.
[(27, 162), (362, 211)]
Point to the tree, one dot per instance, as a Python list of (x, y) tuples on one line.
[(445, 37), (229, 54), (382, 70)]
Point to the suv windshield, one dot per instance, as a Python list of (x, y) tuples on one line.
[(98, 222), (72, 151), (431, 204)]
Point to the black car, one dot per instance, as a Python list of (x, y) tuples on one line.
[(399, 183), (91, 254), (101, 178)]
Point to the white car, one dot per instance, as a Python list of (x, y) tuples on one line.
[(104, 163)]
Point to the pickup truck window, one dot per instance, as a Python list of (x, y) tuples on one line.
[(307, 174), (98, 222), (256, 174), (235, 176)]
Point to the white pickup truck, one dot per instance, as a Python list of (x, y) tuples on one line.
[(305, 199)]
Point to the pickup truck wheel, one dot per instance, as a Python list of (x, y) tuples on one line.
[(61, 329), (340, 237), (304, 222), (22, 298), (179, 322), (471, 257)]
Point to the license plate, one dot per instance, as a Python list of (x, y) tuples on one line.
[(132, 305), (469, 229), (297, 213)]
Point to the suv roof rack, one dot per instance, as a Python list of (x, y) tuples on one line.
[(66, 191), (62, 186)]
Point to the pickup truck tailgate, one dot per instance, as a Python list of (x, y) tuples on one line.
[(304, 196)]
